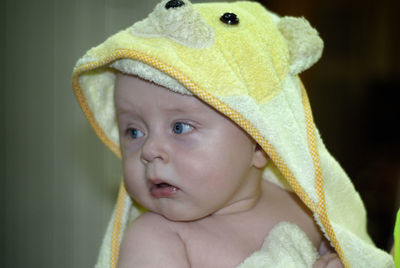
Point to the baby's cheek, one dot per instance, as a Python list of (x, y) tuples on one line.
[(129, 148), (185, 144), (196, 165), (133, 178)]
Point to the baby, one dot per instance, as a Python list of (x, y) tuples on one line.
[(204, 106), (200, 176)]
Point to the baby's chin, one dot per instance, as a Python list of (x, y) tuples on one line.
[(177, 211)]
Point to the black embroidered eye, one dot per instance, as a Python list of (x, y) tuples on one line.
[(174, 4), (230, 18)]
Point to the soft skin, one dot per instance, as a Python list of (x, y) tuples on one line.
[(213, 163), (217, 210)]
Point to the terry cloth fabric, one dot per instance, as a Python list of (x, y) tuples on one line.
[(245, 66), (285, 246)]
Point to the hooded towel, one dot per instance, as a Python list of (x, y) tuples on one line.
[(244, 61)]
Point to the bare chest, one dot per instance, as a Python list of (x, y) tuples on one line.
[(222, 248), (227, 241)]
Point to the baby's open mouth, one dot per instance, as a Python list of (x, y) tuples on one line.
[(162, 185), (161, 189)]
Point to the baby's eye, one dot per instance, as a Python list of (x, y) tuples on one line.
[(181, 128), (135, 133)]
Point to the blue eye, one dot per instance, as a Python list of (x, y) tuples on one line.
[(135, 133), (181, 128)]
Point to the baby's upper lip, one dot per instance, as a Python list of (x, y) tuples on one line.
[(157, 181)]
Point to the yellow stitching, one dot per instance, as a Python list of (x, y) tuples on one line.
[(80, 96), (117, 227), (319, 184)]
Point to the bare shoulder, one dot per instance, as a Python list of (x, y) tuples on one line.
[(287, 206), (151, 242)]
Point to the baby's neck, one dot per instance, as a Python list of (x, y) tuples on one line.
[(240, 229), (244, 204)]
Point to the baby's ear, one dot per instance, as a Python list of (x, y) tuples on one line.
[(260, 158), (305, 45)]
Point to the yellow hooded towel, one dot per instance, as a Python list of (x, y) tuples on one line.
[(242, 60)]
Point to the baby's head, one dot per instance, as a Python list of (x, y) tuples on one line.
[(182, 158), (238, 64)]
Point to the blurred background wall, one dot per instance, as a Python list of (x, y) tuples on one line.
[(58, 183)]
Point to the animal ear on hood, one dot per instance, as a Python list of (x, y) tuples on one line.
[(305, 45)]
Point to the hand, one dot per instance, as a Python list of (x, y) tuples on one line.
[(330, 260)]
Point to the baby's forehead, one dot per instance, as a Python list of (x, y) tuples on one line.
[(134, 91)]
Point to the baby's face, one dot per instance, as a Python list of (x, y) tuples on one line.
[(181, 158)]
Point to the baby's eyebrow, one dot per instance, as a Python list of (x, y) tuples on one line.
[(183, 110), (124, 111), (121, 111), (176, 109)]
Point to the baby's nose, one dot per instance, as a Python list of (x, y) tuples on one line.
[(154, 148)]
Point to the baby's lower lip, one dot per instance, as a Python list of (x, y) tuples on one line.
[(163, 190)]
